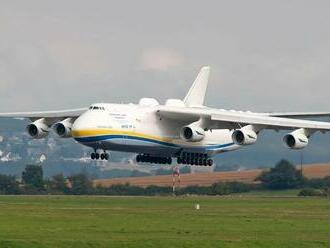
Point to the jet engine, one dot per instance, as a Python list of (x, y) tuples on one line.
[(38, 129), (295, 140), (63, 129), (192, 133), (244, 137)]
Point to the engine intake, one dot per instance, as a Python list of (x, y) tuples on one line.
[(244, 137), (295, 140), (38, 129), (64, 128), (192, 133)]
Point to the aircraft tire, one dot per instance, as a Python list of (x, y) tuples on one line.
[(93, 156), (209, 162)]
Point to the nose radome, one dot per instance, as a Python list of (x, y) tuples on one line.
[(86, 123), (77, 128), (81, 124)]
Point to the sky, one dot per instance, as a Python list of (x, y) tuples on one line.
[(264, 55)]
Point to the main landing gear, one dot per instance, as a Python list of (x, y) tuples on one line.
[(185, 158), (198, 159), (102, 156), (154, 160)]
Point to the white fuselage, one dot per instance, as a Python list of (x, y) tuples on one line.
[(138, 129)]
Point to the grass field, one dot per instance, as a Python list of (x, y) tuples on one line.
[(64, 221)]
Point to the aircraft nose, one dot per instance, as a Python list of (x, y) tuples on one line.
[(81, 126), (87, 125), (77, 129)]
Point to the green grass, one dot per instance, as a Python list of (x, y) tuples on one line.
[(51, 221)]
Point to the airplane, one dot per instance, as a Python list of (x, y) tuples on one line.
[(184, 130)]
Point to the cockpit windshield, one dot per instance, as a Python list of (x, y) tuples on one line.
[(96, 108)]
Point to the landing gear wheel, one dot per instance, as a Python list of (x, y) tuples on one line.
[(106, 156), (97, 156), (93, 156), (102, 156), (209, 162)]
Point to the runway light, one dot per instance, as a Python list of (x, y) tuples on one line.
[(197, 207)]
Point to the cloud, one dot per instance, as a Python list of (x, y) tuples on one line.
[(75, 58), (160, 59)]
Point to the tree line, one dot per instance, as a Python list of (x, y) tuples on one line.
[(32, 182), (283, 176)]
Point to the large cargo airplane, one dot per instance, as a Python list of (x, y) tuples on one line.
[(182, 129)]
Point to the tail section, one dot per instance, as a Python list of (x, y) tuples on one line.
[(196, 94)]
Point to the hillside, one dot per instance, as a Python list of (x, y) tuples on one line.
[(248, 176)]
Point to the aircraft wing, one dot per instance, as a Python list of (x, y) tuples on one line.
[(218, 119), (49, 115)]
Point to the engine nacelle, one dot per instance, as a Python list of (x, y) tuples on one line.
[(244, 137), (38, 129), (192, 133), (295, 140), (64, 128)]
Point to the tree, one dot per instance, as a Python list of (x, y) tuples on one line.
[(283, 176), (58, 183), (312, 192), (80, 184), (8, 185), (162, 171), (137, 173), (33, 176)]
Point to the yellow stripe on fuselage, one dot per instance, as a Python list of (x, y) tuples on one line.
[(99, 132)]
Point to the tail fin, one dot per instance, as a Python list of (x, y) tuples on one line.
[(196, 94)]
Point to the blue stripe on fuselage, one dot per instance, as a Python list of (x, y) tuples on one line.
[(109, 137)]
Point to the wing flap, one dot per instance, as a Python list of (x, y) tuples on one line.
[(300, 114)]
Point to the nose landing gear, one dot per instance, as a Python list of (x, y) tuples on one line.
[(102, 156)]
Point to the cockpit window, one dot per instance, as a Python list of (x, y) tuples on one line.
[(96, 108)]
